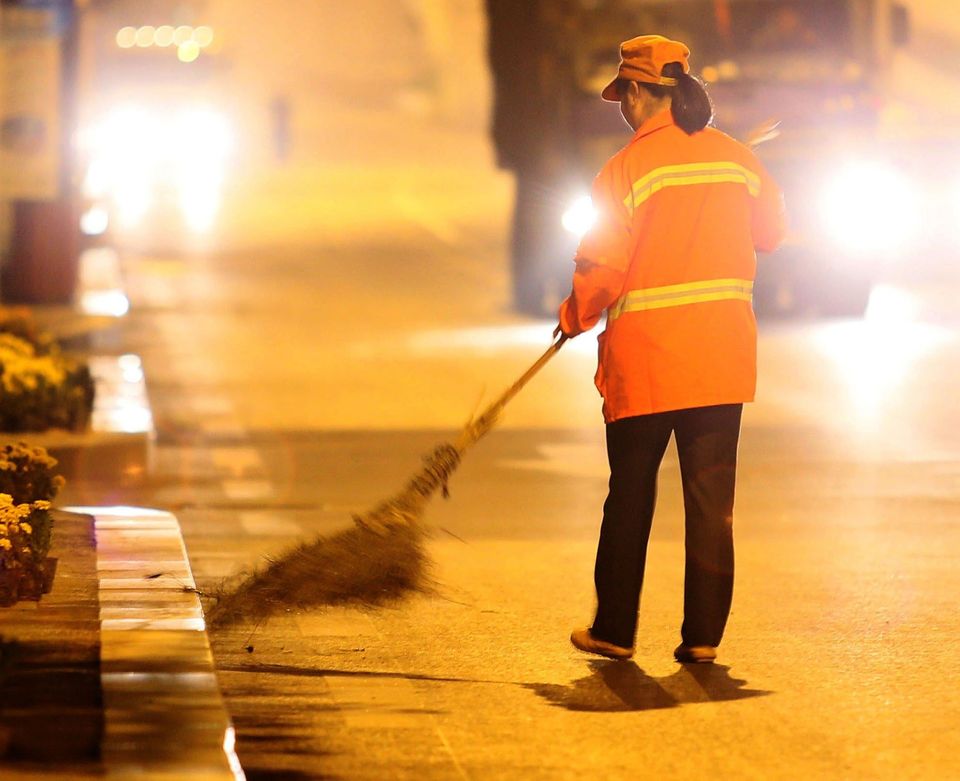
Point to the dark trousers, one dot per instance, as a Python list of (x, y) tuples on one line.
[(707, 439)]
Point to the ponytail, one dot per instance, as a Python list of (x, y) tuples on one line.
[(691, 106)]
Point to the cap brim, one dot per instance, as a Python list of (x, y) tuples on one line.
[(610, 92)]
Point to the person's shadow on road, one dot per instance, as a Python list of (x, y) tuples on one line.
[(622, 686)]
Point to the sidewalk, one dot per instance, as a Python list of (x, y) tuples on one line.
[(110, 675), (295, 387)]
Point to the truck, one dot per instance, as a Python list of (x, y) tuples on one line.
[(155, 135), (819, 67)]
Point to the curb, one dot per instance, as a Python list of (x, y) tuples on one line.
[(164, 715)]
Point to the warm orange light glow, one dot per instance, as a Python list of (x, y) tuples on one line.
[(145, 36), (182, 34), (188, 52), (164, 36), (95, 221), (203, 36), (127, 38), (874, 358)]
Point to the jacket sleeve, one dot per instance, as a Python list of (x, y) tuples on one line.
[(603, 256), (769, 219)]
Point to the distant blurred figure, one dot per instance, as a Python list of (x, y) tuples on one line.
[(515, 48), (787, 29), (523, 61), (280, 113)]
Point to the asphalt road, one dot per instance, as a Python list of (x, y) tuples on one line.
[(352, 313), (295, 386)]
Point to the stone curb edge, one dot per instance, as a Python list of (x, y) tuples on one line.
[(164, 715)]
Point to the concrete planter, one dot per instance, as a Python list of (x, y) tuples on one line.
[(10, 586), (21, 585), (49, 573)]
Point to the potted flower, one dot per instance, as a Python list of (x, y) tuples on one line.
[(40, 390), (27, 486), (24, 544)]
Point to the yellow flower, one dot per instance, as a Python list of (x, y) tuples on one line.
[(26, 528), (5, 543)]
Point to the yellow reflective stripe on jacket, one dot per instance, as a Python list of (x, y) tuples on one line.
[(682, 295), (691, 174)]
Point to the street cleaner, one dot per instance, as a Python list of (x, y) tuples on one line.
[(671, 259)]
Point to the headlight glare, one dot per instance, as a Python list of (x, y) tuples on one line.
[(870, 208), (580, 217)]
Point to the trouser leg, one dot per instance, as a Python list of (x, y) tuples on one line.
[(635, 447), (707, 439)]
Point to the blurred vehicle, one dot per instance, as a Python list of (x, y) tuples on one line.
[(149, 161), (156, 141), (818, 66)]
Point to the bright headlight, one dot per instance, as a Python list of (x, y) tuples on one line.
[(128, 134), (95, 221), (201, 134), (870, 208), (202, 143), (581, 215), (138, 152)]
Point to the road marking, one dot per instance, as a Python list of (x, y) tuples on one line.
[(267, 524), (247, 490), (237, 460), (579, 459), (212, 405), (428, 219), (230, 428), (567, 459)]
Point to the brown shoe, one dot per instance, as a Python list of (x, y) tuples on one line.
[(582, 639), (695, 654)]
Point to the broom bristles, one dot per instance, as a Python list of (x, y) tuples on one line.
[(379, 560), (356, 566), (376, 562)]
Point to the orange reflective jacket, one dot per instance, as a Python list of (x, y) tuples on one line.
[(672, 260)]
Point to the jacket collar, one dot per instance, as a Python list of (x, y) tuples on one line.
[(656, 122)]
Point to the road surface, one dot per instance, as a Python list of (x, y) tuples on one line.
[(301, 364)]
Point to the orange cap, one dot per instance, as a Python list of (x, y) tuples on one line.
[(643, 58)]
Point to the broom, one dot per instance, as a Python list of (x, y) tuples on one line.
[(380, 558)]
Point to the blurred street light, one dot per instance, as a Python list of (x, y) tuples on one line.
[(127, 38), (188, 51), (164, 36), (145, 36)]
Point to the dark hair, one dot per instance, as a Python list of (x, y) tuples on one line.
[(692, 108)]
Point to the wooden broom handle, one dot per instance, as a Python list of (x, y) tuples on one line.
[(486, 418)]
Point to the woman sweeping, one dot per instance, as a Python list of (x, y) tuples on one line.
[(682, 210)]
